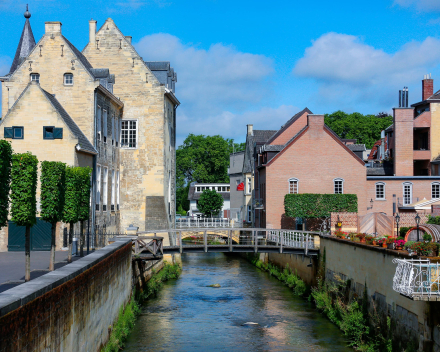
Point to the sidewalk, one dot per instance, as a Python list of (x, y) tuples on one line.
[(12, 266)]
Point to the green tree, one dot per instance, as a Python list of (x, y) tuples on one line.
[(71, 203), (365, 129), (210, 203), (23, 198), (52, 179), (5, 180), (84, 176)]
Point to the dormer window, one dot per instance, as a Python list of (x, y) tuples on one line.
[(35, 77), (68, 79)]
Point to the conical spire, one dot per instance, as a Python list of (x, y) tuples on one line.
[(26, 44)]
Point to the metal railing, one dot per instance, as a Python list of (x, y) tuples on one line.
[(417, 278), (94, 241), (401, 202), (296, 239), (206, 222)]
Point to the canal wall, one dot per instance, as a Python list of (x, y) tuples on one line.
[(72, 308), (413, 322)]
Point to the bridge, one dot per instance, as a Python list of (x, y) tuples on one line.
[(150, 245)]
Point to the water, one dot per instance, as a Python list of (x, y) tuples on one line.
[(188, 316)]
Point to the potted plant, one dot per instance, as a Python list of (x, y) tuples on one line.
[(399, 244), (361, 237), (408, 247), (382, 242), (390, 242), (369, 239)]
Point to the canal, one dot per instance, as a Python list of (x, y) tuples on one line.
[(189, 316)]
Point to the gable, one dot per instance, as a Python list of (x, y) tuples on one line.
[(291, 128)]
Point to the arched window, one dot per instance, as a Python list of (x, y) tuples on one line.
[(380, 190), (68, 79), (435, 190), (338, 184), (407, 193), (293, 186), (35, 77)]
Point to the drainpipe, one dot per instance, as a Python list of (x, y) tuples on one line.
[(95, 143)]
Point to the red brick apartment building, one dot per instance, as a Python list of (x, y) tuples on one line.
[(306, 156)]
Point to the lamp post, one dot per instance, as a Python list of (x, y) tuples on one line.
[(339, 223), (397, 223), (417, 218)]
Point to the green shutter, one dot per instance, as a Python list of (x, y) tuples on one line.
[(8, 132), (58, 133)]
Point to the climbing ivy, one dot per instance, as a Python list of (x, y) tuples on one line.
[(311, 205), (5, 180)]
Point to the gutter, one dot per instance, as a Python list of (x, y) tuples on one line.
[(79, 149), (172, 97)]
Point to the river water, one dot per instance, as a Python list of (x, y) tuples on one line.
[(189, 316)]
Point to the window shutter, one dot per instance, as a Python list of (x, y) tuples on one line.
[(58, 133), (8, 132), (105, 124), (113, 128), (99, 120)]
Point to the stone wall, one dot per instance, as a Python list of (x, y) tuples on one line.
[(69, 309)]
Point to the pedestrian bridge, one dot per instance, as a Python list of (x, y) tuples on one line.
[(153, 244)]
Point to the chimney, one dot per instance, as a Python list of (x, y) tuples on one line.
[(92, 31), (427, 87), (403, 121), (128, 37), (52, 27), (315, 121), (250, 130)]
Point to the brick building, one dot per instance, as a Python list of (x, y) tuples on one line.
[(104, 108)]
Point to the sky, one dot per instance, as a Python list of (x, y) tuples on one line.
[(255, 62)]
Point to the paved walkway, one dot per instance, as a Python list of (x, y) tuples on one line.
[(12, 266)]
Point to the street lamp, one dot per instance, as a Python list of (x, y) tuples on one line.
[(339, 223), (417, 218), (397, 223)]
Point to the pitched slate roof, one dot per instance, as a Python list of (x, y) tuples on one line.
[(258, 136), (80, 56), (25, 45), (261, 136), (83, 142), (356, 147), (289, 123)]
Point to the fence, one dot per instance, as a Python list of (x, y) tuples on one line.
[(92, 241)]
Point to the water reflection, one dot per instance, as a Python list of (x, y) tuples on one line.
[(189, 316)]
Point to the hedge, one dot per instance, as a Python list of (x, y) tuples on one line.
[(312, 205), (5, 180)]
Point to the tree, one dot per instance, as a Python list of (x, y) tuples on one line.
[(5, 180), (84, 175), (23, 198), (210, 202), (53, 177), (365, 129), (71, 203)]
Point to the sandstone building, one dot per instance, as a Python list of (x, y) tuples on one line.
[(104, 108)]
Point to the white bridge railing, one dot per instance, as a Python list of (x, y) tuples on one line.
[(418, 279), (206, 222), (297, 239)]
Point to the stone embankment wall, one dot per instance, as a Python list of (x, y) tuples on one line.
[(69, 309), (413, 321)]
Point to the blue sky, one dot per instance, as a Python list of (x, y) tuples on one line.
[(241, 62)]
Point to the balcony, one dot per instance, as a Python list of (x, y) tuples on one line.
[(403, 202), (422, 154)]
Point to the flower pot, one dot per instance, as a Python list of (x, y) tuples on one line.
[(390, 245), (374, 243), (384, 245), (362, 240), (399, 248)]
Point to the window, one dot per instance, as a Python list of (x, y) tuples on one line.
[(113, 191), (113, 130), (98, 186), (338, 185), (98, 122), (249, 213), (380, 190), (237, 181), (435, 190), (50, 132), (15, 132), (104, 125), (229, 189), (68, 79), (118, 128), (117, 190), (105, 189), (249, 185), (35, 77), (129, 134), (407, 193), (198, 189), (293, 186)]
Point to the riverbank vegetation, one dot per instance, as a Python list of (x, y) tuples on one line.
[(128, 314), (364, 328)]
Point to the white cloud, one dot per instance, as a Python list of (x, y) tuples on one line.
[(348, 69), (214, 84), (421, 5)]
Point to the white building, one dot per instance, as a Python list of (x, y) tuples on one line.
[(196, 190)]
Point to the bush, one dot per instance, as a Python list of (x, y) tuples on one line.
[(210, 202), (5, 180), (403, 231), (427, 237), (435, 220)]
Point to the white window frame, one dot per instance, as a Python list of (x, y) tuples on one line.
[(410, 185), (117, 190), (99, 122), (249, 185), (342, 185), (378, 184), (113, 191), (65, 79), (437, 185), (37, 75), (98, 185), (137, 134), (105, 189), (293, 180)]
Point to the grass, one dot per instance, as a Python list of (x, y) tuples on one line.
[(128, 314)]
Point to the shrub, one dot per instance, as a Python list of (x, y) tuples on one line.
[(427, 237), (435, 220), (5, 180), (408, 244), (403, 231), (210, 202)]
